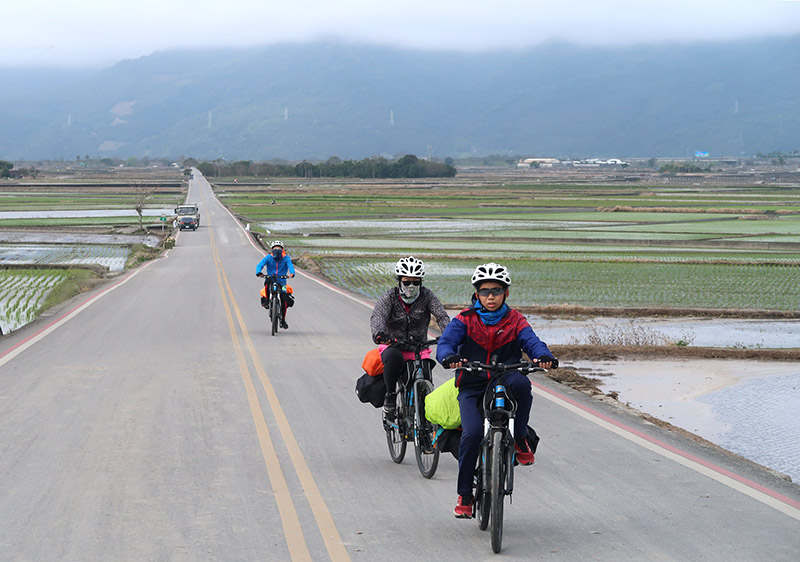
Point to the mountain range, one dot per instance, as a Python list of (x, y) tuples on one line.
[(316, 100)]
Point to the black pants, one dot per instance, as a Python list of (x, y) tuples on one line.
[(393, 365)]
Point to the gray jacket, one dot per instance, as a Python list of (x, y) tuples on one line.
[(390, 317)]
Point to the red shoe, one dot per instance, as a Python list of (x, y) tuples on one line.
[(524, 457), (463, 508)]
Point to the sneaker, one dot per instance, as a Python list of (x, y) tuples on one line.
[(463, 509), (284, 325), (524, 456), (390, 405)]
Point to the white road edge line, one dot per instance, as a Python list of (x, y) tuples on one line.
[(67, 317)]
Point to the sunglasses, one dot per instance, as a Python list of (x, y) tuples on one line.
[(415, 283), (494, 291)]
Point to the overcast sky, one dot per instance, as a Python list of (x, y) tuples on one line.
[(101, 32)]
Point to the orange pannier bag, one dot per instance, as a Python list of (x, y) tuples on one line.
[(372, 363)]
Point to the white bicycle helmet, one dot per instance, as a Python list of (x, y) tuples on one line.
[(276, 243), (491, 272), (409, 267)]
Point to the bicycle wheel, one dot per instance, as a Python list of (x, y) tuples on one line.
[(274, 315), (497, 479), (426, 452), (395, 433), (482, 495)]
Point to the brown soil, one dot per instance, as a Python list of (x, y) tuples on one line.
[(607, 352)]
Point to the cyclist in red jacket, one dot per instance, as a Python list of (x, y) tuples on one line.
[(488, 330)]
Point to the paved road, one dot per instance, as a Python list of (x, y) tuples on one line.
[(157, 419)]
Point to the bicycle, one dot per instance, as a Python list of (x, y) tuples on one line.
[(410, 423), (275, 305), (494, 475)]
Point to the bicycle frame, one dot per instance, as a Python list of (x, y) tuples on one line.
[(495, 471), (275, 302), (410, 423)]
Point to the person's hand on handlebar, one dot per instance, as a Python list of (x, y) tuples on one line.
[(453, 362), (290, 275), (547, 362), (259, 274), (382, 338)]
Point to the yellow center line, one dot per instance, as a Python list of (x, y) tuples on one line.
[(295, 540), (330, 534)]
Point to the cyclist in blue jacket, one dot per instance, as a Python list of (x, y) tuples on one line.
[(488, 330), (277, 262)]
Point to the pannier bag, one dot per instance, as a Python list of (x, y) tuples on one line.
[(371, 390), (448, 440), (372, 363), (441, 405)]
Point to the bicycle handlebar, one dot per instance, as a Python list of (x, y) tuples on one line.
[(501, 368), (275, 276), (414, 345)]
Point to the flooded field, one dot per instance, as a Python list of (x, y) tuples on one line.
[(747, 407), (85, 213), (701, 332)]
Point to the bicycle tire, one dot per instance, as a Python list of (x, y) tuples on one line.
[(274, 314), (425, 451), (395, 434), (497, 490), (482, 497)]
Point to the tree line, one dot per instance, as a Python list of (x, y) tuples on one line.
[(409, 166)]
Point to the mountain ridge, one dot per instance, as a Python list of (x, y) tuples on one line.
[(315, 100)]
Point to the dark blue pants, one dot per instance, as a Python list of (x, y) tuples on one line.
[(469, 402)]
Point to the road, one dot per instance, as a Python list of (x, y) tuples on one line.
[(156, 419)]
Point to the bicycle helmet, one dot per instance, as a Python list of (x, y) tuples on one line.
[(491, 272), (409, 267), (276, 243)]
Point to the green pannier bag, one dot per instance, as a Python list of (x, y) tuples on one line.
[(441, 405)]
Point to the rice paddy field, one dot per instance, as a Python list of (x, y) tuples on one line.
[(653, 247), (22, 294), (50, 230)]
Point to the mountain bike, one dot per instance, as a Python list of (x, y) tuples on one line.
[(275, 305), (494, 475), (410, 423)]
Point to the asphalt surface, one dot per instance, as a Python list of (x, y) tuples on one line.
[(157, 419)]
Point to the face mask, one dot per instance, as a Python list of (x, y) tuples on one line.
[(410, 292), (277, 254)]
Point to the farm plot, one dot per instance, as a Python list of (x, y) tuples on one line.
[(594, 284), (112, 257), (590, 245), (22, 293)]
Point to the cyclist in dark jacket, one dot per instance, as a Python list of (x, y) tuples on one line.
[(403, 313), (489, 330)]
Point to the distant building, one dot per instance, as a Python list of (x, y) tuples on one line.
[(540, 162), (596, 163)]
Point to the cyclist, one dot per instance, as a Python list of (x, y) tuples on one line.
[(277, 262), (488, 330), (403, 313)]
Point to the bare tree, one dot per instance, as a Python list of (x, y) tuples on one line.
[(141, 194)]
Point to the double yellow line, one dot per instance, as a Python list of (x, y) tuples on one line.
[(292, 529)]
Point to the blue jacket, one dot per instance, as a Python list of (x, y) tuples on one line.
[(281, 267), (468, 337)]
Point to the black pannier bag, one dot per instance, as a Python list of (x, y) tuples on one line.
[(371, 390)]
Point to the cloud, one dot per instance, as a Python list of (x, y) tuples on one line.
[(94, 32)]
